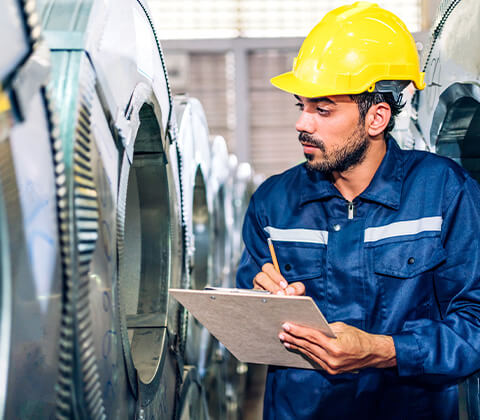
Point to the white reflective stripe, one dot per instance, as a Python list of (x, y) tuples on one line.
[(408, 227), (298, 235)]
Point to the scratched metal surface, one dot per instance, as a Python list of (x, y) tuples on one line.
[(30, 264), (136, 371), (35, 275), (101, 211), (36, 282)]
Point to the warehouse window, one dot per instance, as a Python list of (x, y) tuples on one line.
[(188, 19)]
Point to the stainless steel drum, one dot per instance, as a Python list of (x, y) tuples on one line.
[(242, 191), (446, 117), (221, 192), (122, 242), (30, 172), (194, 152), (191, 399), (101, 211)]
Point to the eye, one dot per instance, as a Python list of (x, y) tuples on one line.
[(323, 111), (299, 105)]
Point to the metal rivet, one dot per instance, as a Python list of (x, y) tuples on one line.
[(264, 300), (288, 267), (411, 260), (336, 227), (212, 297)]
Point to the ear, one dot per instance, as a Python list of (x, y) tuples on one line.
[(377, 119)]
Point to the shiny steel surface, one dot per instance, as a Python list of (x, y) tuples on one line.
[(105, 203), (5, 266), (193, 140), (73, 83), (126, 143), (31, 291), (221, 192), (194, 151), (242, 190), (18, 46), (36, 292), (149, 250), (192, 399), (447, 65)]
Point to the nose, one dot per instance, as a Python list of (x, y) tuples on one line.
[(305, 123)]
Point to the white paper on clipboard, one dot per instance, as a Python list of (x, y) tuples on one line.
[(247, 323)]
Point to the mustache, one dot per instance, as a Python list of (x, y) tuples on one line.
[(307, 138)]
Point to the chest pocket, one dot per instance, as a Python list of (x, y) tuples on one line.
[(404, 286), (300, 261), (408, 258)]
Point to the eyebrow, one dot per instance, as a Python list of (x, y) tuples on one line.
[(316, 100)]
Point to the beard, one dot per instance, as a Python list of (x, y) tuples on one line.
[(351, 153)]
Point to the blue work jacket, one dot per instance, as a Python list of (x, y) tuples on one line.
[(402, 259)]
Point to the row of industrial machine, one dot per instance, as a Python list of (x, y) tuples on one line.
[(112, 191)]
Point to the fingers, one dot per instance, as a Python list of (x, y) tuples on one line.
[(265, 282), (323, 364), (271, 280), (281, 285), (310, 334), (270, 271), (295, 289), (313, 352), (309, 354)]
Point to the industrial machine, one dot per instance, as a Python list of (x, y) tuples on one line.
[(106, 202), (445, 117)]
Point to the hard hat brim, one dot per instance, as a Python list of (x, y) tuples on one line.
[(288, 82)]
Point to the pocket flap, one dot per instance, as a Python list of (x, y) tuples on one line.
[(409, 258), (299, 262)]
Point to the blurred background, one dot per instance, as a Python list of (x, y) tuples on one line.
[(224, 52)]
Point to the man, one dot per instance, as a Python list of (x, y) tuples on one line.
[(385, 241)]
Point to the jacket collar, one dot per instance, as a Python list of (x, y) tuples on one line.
[(385, 187)]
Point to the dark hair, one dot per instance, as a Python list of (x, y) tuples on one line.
[(366, 99)]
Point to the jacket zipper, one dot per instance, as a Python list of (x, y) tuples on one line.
[(350, 210)]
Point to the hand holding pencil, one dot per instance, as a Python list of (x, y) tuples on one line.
[(271, 279)]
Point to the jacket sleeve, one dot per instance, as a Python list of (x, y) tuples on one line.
[(449, 348), (256, 251)]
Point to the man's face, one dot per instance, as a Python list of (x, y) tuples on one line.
[(333, 137)]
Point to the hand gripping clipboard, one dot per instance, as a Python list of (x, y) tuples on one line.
[(248, 322)]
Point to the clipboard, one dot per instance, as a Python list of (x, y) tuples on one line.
[(248, 322)]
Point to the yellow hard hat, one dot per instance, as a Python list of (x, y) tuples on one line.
[(351, 49)]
